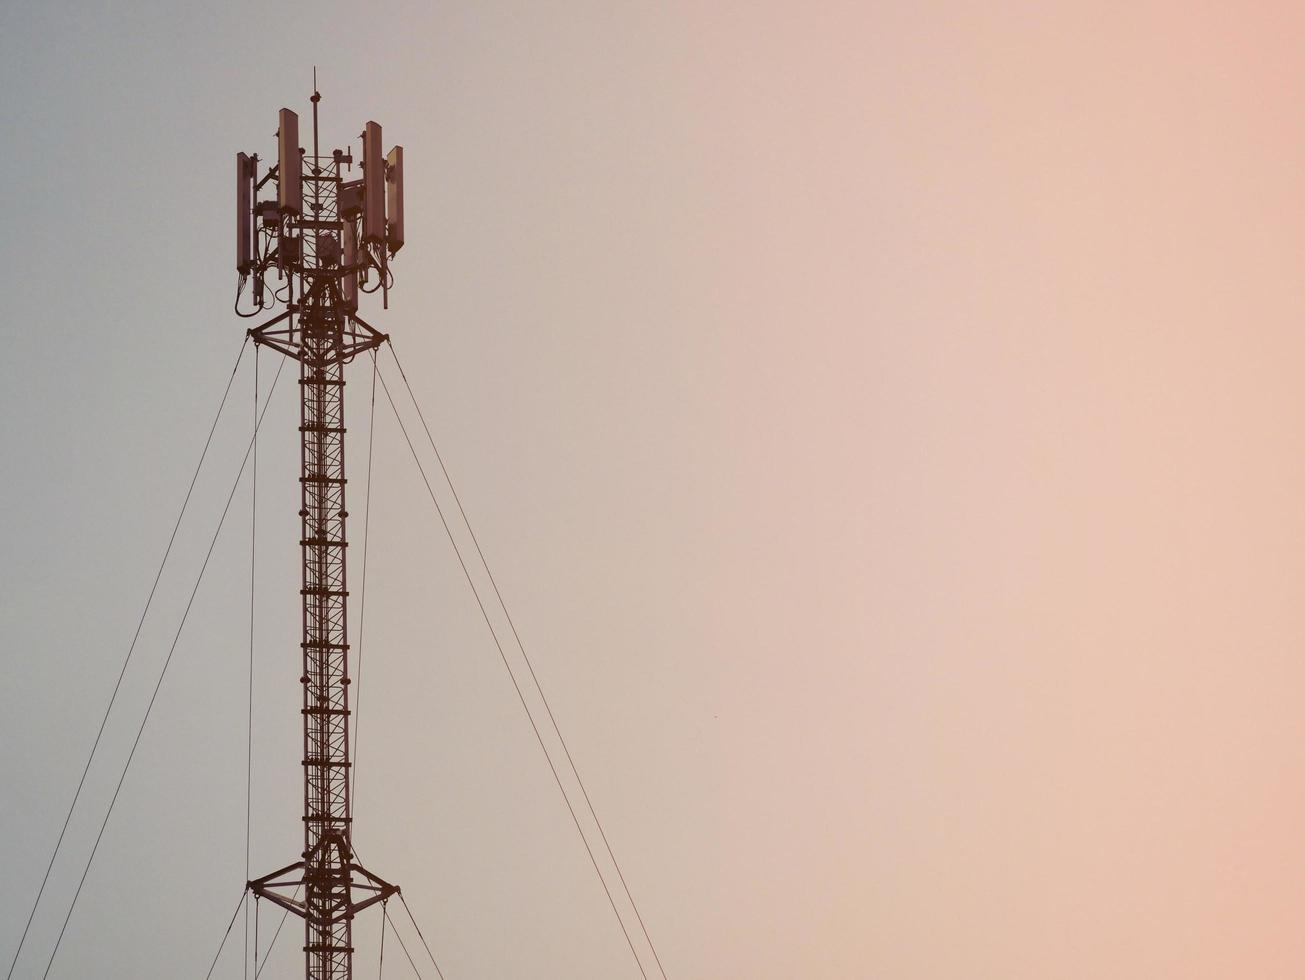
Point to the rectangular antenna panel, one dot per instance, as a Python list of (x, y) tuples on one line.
[(350, 200), (394, 199), (244, 213), (349, 281), (290, 164), (373, 186)]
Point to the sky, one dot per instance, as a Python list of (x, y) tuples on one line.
[(883, 422)]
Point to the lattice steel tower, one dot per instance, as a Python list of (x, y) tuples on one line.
[(324, 238)]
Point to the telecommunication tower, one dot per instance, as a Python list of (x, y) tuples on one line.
[(311, 248)]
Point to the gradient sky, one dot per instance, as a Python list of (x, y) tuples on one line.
[(884, 422)]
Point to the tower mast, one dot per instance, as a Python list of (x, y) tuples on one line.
[(321, 258)]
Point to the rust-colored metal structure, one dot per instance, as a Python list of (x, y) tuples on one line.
[(303, 250)]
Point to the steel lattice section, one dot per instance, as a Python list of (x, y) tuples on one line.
[(325, 678)]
